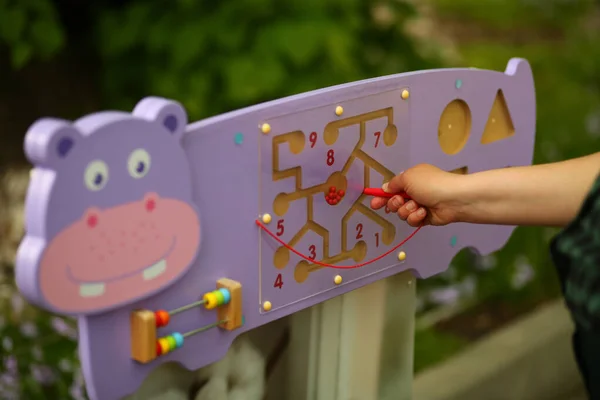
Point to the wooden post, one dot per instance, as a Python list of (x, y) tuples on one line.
[(336, 347)]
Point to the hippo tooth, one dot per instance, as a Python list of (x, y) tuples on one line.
[(155, 270), (91, 289)]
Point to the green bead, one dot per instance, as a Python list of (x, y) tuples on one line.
[(220, 297)]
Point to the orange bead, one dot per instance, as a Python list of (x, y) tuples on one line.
[(162, 318)]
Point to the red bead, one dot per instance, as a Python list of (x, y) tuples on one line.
[(334, 202), (341, 193), (158, 349), (162, 318), (338, 197), (332, 189)]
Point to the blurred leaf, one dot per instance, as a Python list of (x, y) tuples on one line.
[(21, 54)]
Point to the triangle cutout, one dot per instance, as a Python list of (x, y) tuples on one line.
[(499, 124)]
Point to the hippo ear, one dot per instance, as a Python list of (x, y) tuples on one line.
[(49, 141), (170, 114)]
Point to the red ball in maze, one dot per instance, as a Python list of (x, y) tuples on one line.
[(334, 196)]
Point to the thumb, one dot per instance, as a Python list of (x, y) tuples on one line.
[(396, 184)]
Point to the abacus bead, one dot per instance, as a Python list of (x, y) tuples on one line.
[(172, 342), (211, 300), (158, 349), (226, 295), (164, 345), (220, 298), (178, 339), (162, 318)]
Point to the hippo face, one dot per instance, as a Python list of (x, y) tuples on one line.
[(110, 213)]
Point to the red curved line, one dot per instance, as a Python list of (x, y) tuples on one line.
[(281, 242)]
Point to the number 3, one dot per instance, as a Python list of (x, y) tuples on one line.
[(313, 252)]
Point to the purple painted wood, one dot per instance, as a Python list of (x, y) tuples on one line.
[(143, 210)]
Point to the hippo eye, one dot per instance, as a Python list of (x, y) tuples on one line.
[(138, 163), (96, 175)]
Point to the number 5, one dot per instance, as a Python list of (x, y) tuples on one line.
[(280, 228)]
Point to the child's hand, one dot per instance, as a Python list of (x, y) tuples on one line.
[(431, 190)]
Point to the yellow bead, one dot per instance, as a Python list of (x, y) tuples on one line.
[(405, 94), (401, 256), (265, 128), (339, 110), (164, 345), (211, 300), (337, 279), (267, 306), (266, 218)]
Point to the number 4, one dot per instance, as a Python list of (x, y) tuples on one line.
[(278, 282)]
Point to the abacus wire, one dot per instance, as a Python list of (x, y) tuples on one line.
[(310, 260), (186, 307), (204, 328)]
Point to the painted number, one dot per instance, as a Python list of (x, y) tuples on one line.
[(377, 136), (280, 228), (312, 250), (278, 282), (330, 157), (312, 138), (359, 229), (376, 239)]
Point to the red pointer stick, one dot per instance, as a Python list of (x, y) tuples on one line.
[(376, 192)]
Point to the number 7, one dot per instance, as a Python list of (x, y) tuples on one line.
[(377, 136)]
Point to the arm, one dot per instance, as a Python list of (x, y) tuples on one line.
[(548, 194)]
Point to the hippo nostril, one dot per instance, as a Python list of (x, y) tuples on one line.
[(92, 220), (150, 205)]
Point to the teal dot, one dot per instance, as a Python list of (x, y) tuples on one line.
[(458, 83), (453, 241), (239, 138), (243, 320)]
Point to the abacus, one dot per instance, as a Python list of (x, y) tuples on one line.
[(145, 346)]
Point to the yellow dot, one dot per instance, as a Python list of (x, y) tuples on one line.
[(405, 94), (265, 128), (266, 218), (31, 172), (401, 256), (267, 306), (337, 279), (339, 110)]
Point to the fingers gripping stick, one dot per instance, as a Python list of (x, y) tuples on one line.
[(376, 192)]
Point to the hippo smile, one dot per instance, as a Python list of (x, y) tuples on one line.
[(94, 289)]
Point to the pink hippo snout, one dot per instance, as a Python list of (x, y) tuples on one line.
[(113, 256)]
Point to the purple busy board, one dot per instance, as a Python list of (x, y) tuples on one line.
[(152, 230)]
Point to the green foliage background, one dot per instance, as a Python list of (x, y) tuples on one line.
[(215, 56)]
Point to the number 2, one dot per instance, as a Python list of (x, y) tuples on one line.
[(377, 136), (313, 252), (280, 228), (359, 229), (278, 282), (330, 157)]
